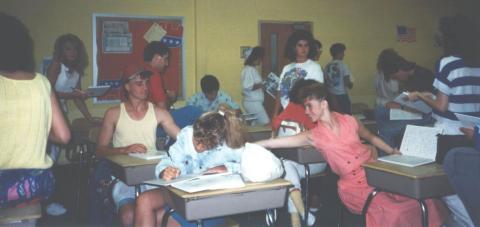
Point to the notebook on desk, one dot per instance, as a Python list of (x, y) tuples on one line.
[(419, 147), (150, 155)]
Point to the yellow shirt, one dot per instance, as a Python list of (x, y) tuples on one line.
[(129, 131), (25, 121)]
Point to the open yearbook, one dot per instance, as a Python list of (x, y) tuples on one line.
[(418, 105), (419, 147), (271, 84), (150, 155), (202, 181)]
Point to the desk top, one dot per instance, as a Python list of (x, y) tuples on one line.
[(418, 172), (260, 128), (125, 160), (278, 183), (302, 155)]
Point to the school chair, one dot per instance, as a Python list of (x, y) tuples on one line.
[(289, 128), (25, 216)]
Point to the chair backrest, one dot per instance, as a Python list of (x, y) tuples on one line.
[(93, 134), (289, 128)]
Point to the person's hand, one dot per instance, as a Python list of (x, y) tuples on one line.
[(393, 105), (136, 148), (468, 132), (217, 169), (412, 96), (170, 173), (77, 93), (395, 151)]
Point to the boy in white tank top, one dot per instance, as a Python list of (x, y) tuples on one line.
[(131, 127)]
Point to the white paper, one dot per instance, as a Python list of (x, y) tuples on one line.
[(271, 84), (419, 146), (162, 182), (210, 182), (417, 105), (150, 155), (154, 33), (467, 120), (398, 114)]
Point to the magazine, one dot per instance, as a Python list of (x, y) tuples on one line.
[(271, 84), (418, 105)]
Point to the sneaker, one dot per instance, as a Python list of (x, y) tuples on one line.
[(56, 209)]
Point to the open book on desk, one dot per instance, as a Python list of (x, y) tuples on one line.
[(419, 147), (202, 181), (399, 114), (150, 155), (418, 105)]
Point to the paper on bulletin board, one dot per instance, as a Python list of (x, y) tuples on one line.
[(154, 33)]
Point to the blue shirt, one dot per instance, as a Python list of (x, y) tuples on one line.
[(201, 101), (184, 156)]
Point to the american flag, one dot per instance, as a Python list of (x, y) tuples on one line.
[(406, 34)]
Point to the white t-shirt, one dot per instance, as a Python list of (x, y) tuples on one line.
[(386, 91), (296, 71), (250, 77), (66, 81)]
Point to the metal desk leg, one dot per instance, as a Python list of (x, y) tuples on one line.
[(423, 207), (307, 186), (166, 216), (137, 191), (369, 200), (271, 217)]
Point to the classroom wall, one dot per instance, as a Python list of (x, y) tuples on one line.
[(215, 30)]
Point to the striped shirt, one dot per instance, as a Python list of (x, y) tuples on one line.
[(462, 86)]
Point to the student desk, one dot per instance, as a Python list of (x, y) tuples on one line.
[(305, 156), (217, 203), (132, 171), (420, 183), (256, 133)]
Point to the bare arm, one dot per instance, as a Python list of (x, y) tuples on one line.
[(375, 140), (106, 133), (299, 140), (162, 105), (165, 119), (439, 104), (276, 107), (59, 131)]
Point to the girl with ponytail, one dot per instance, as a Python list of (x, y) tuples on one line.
[(213, 144)]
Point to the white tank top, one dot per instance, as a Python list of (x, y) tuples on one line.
[(66, 80), (129, 131)]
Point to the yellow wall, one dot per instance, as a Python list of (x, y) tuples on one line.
[(215, 30)]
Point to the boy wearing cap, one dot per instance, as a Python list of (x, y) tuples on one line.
[(131, 127)]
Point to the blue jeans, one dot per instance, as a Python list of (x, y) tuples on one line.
[(462, 166), (391, 130)]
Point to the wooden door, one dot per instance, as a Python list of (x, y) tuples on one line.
[(273, 38)]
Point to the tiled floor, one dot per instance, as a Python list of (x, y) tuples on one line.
[(68, 181)]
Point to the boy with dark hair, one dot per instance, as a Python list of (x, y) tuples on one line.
[(156, 56), (211, 96), (338, 78)]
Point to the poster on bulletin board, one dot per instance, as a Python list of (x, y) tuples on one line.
[(119, 40)]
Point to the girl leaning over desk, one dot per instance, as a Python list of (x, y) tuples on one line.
[(213, 144), (337, 137)]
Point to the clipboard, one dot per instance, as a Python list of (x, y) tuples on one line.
[(97, 91)]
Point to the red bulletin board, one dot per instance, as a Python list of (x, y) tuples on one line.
[(119, 41)]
